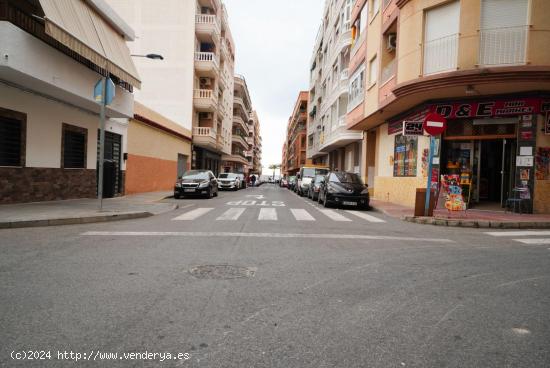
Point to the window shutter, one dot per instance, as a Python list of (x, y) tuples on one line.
[(503, 13), (441, 38)]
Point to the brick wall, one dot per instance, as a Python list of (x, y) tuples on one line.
[(32, 184)]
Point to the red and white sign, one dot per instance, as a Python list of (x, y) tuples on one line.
[(435, 124)]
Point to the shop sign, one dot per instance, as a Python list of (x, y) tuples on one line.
[(489, 108), (547, 124), (413, 128)]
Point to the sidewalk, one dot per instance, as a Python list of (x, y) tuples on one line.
[(471, 218), (81, 211)]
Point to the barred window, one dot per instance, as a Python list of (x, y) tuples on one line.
[(74, 147), (12, 138)]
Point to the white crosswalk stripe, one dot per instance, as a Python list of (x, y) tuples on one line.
[(366, 216), (543, 241), (268, 214), (301, 215), (526, 234), (335, 216), (193, 215), (231, 214)]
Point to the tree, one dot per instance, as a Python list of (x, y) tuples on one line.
[(274, 167)]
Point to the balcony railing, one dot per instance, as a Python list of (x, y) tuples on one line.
[(207, 57), (204, 94), (441, 55), (204, 132), (388, 72), (503, 46), (206, 19)]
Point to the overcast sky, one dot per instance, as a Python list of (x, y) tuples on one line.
[(273, 42)]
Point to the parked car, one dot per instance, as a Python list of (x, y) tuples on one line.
[(283, 183), (306, 175), (315, 186), (196, 183), (292, 182), (229, 181), (344, 189)]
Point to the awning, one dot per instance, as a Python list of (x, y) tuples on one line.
[(80, 28)]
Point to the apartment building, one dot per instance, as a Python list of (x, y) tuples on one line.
[(255, 158), (52, 55), (241, 138), (484, 65), (334, 92), (295, 147), (193, 85)]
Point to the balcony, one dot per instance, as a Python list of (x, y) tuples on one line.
[(339, 136), (235, 157), (441, 55), (235, 138), (207, 25), (503, 46), (206, 137), (207, 63), (250, 140), (205, 100), (239, 122), (239, 102), (249, 153)]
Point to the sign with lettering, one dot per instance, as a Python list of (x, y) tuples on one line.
[(413, 128), (547, 124)]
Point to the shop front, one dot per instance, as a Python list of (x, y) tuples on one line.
[(496, 150), (204, 159)]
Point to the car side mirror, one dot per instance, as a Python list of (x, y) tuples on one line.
[(298, 176)]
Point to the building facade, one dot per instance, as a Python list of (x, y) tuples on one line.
[(52, 56), (159, 151), (295, 146), (335, 90), (483, 66), (193, 85), (254, 155)]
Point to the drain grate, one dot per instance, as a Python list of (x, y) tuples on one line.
[(222, 272)]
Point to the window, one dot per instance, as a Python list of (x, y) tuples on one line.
[(405, 156), (73, 149), (356, 90), (12, 138), (503, 34), (375, 8), (373, 71), (441, 38)]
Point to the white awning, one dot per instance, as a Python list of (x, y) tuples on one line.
[(80, 28)]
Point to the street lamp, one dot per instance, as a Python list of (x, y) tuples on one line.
[(150, 56), (104, 102)]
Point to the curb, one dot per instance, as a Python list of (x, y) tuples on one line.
[(482, 224), (83, 220)]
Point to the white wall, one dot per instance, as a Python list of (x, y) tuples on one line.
[(35, 65), (169, 30)]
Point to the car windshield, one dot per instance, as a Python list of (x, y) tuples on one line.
[(311, 172), (319, 178), (345, 178), (195, 174), (228, 176)]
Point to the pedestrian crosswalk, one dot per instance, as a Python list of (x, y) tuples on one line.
[(528, 237), (275, 214)]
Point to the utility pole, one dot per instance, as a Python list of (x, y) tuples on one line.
[(101, 142)]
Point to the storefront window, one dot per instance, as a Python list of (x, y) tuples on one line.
[(405, 156)]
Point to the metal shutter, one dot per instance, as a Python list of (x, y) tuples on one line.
[(441, 38)]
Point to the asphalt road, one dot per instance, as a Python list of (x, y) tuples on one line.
[(264, 278)]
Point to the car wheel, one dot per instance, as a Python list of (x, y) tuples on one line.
[(326, 203), (216, 192)]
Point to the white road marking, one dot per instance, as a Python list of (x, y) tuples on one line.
[(519, 233), (301, 215), (267, 214), (231, 214), (365, 216), (262, 235), (542, 241), (333, 215), (193, 215)]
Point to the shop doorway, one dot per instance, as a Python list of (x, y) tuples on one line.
[(486, 168)]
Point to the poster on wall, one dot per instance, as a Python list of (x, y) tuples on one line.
[(405, 156), (542, 161), (452, 193), (547, 124)]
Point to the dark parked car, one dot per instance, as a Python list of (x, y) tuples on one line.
[(196, 183), (344, 189), (313, 191)]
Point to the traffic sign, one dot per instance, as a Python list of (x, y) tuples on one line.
[(435, 124), (413, 128), (109, 91)]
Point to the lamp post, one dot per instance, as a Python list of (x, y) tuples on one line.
[(102, 98)]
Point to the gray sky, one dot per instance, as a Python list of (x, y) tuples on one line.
[(273, 42)]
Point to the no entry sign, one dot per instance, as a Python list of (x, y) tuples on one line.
[(435, 124)]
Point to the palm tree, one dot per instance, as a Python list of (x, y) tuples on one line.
[(274, 167)]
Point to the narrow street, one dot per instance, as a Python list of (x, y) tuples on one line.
[(264, 278)]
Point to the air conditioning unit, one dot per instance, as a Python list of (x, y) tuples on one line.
[(392, 41)]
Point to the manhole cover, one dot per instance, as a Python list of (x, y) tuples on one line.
[(222, 272)]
